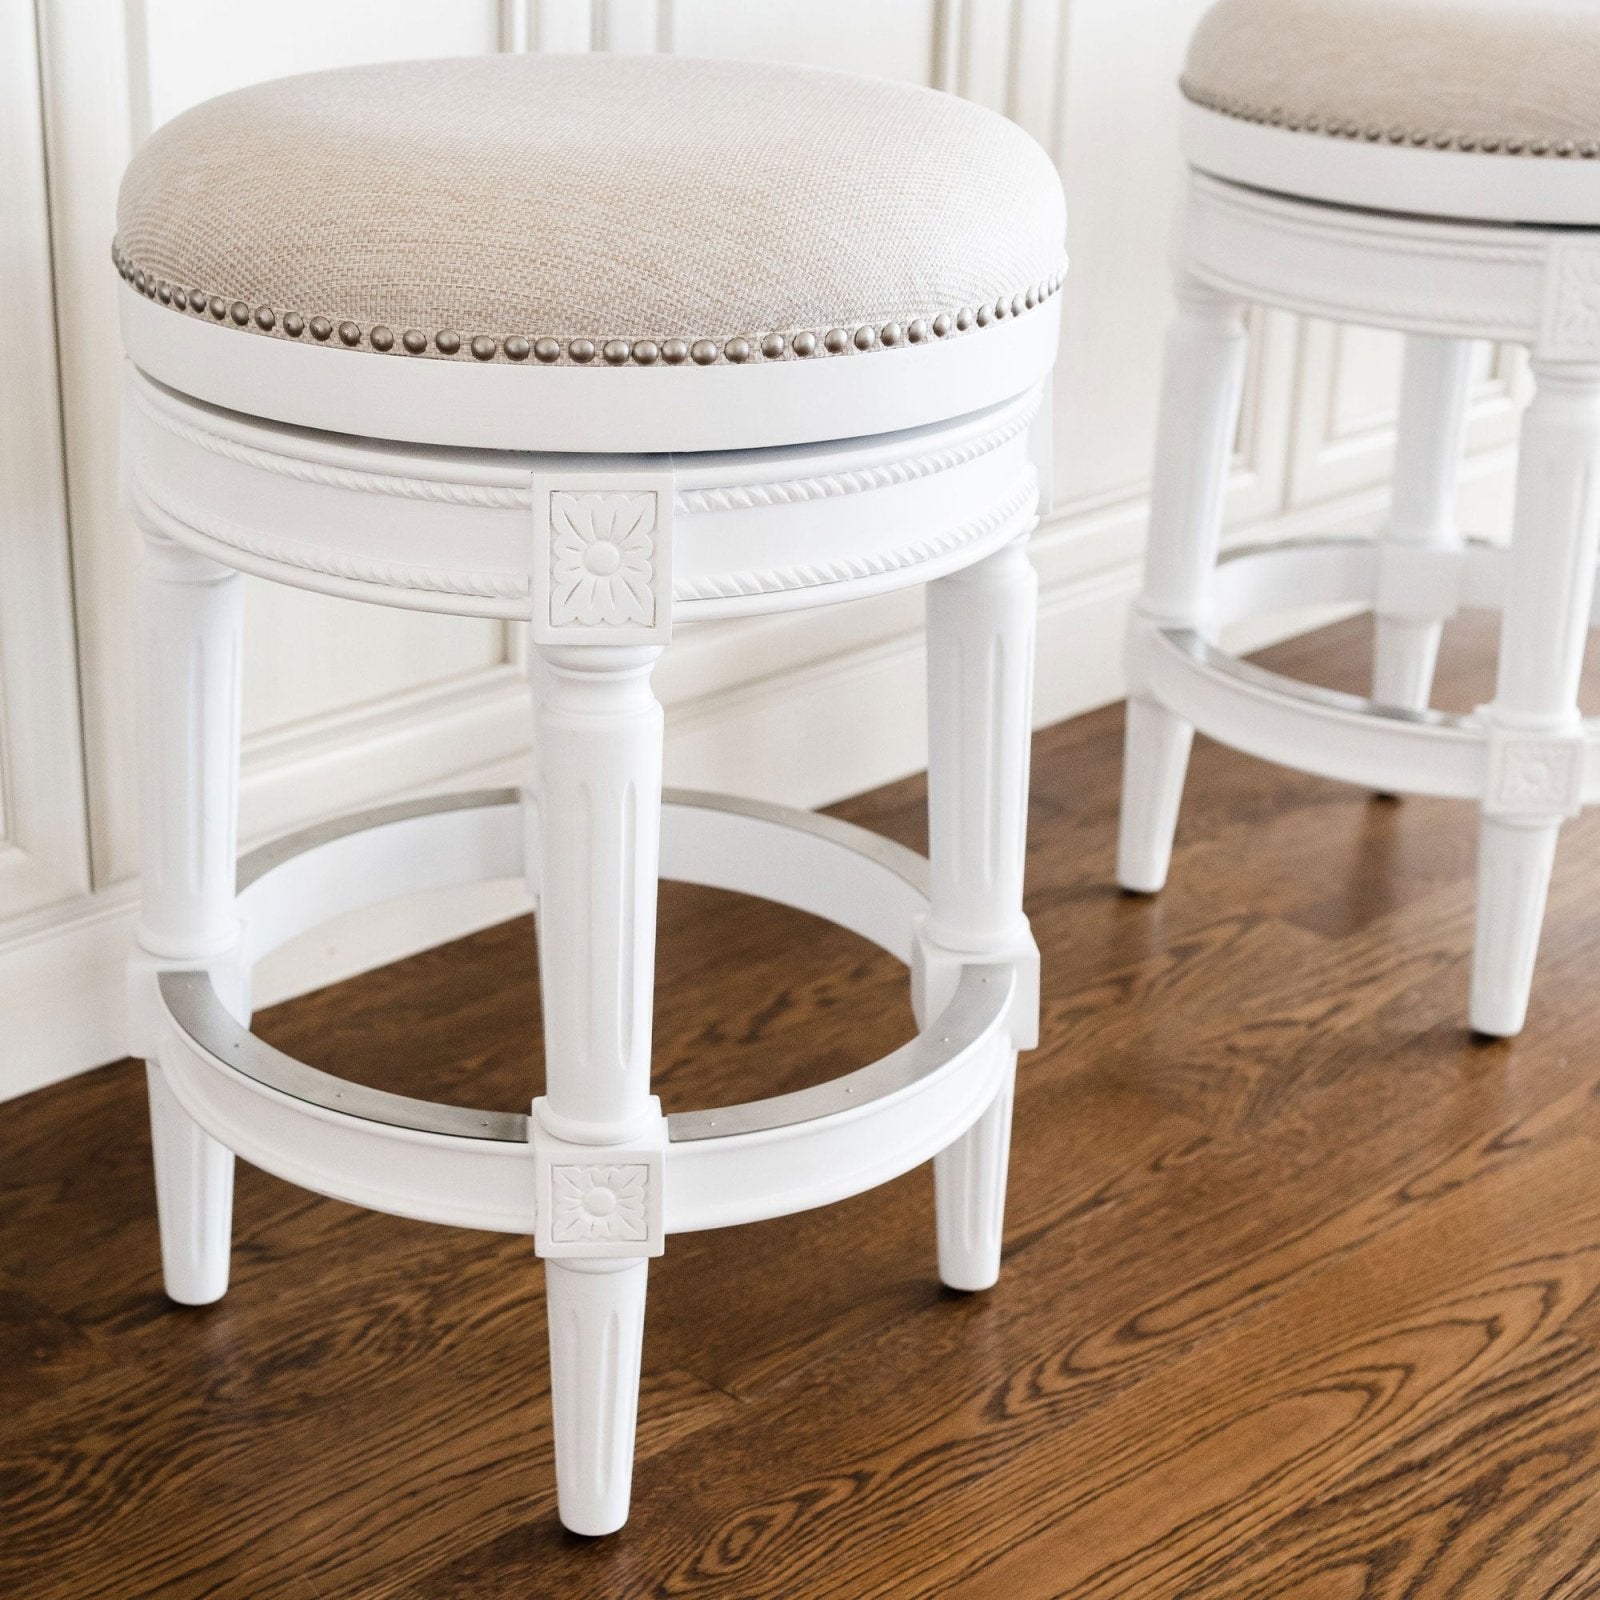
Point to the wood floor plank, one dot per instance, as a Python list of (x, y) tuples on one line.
[(1302, 1290)]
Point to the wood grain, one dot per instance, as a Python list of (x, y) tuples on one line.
[(1300, 1300)]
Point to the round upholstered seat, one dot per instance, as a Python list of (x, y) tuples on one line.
[(513, 237), (1480, 109)]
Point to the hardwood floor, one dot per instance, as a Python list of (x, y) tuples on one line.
[(1300, 1295)]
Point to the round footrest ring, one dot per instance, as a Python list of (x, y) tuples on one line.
[(475, 1168), (1334, 735)]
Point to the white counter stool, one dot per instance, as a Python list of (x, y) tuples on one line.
[(1432, 168), (607, 343)]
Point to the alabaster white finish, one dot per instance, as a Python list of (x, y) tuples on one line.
[(980, 680), (1199, 416), (603, 553), (1527, 758), (1379, 176), (451, 530), (633, 409), (1431, 440), (596, 1314), (194, 1198), (190, 620)]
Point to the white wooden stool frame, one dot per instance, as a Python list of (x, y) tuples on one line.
[(595, 1174), (1527, 758)]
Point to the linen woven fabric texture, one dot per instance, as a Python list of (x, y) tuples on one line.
[(1511, 77), (593, 197)]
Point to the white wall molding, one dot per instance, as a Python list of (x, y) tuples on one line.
[(830, 721)]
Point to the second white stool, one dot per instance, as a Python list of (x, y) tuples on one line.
[(1432, 169)]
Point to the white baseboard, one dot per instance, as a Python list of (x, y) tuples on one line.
[(751, 710)]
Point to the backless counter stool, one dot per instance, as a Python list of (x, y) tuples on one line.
[(1432, 168), (607, 343)]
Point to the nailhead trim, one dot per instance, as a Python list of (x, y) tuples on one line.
[(1419, 138), (547, 351)]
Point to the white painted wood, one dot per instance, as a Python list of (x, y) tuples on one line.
[(1432, 436), (1543, 632), (624, 409), (756, 531), (189, 619), (194, 1198), (980, 681), (1528, 758), (346, 707), (43, 834), (1381, 176), (598, 729), (596, 1312), (1199, 412)]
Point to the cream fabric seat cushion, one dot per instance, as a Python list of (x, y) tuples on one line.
[(618, 202), (1507, 77)]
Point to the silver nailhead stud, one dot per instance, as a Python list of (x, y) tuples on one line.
[(918, 331), (942, 324), (218, 307), (645, 352), (1031, 299), (581, 349), (293, 324), (180, 299), (674, 351), (415, 340), (320, 327), (704, 352), (964, 319), (483, 348), (547, 350), (265, 320), (985, 316), (865, 338), (139, 280), (772, 346), (836, 340), (804, 344), (616, 351), (737, 350), (197, 301), (164, 292), (516, 348), (240, 312), (349, 333), (381, 338), (891, 334), (447, 342)]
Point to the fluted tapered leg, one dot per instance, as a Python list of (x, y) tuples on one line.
[(980, 694), (1535, 757), (598, 734), (1201, 387), (1428, 448), (189, 630)]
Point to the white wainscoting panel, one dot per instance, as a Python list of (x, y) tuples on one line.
[(345, 705)]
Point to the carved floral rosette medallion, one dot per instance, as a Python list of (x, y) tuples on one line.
[(599, 1202), (601, 563)]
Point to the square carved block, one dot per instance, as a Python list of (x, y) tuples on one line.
[(599, 1200), (1534, 776), (602, 559)]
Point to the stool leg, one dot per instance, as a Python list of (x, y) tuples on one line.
[(980, 694), (1201, 387), (189, 634), (1428, 447), (1544, 628), (598, 732)]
